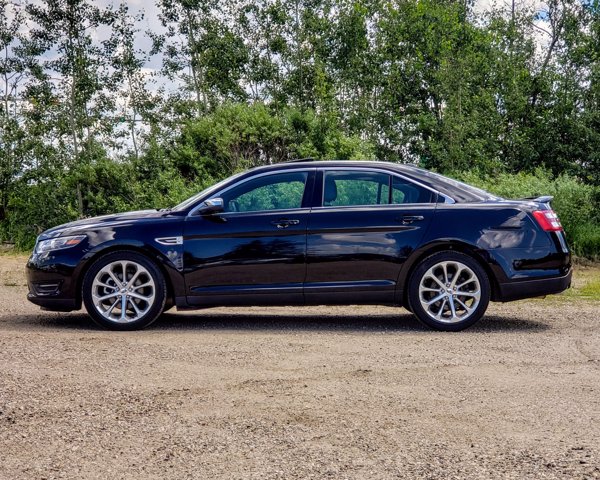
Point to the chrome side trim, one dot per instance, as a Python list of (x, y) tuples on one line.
[(382, 206), (169, 240)]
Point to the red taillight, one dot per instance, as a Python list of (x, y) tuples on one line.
[(548, 220)]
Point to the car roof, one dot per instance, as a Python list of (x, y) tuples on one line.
[(458, 191)]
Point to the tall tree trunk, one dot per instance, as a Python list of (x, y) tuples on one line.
[(72, 121), (299, 56), (196, 69)]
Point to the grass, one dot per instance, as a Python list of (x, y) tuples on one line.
[(586, 283), (591, 290), (12, 269), (11, 252)]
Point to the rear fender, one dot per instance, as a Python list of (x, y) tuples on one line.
[(484, 258)]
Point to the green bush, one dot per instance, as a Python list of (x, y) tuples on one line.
[(586, 241), (205, 149), (576, 203)]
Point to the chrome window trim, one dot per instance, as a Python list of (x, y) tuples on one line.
[(293, 211), (253, 177), (446, 198), (387, 206)]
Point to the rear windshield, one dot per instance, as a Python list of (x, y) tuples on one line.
[(459, 191)]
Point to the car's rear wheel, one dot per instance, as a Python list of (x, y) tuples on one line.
[(449, 291), (124, 291)]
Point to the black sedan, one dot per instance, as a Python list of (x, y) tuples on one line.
[(308, 233)]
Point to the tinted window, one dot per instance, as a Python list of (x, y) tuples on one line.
[(355, 188), (370, 188), (459, 191), (404, 191), (269, 192)]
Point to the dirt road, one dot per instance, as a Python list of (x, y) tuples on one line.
[(283, 393)]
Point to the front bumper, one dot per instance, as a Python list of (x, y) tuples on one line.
[(54, 304), (52, 283), (518, 290)]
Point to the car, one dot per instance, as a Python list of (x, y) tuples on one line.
[(308, 233)]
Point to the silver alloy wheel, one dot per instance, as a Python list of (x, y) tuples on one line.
[(123, 291), (449, 292)]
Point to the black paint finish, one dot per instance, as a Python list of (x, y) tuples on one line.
[(248, 254), (315, 254), (359, 251)]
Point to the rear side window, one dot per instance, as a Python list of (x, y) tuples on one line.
[(355, 188), (404, 191), (348, 188)]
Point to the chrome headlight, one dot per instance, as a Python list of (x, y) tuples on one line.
[(58, 243)]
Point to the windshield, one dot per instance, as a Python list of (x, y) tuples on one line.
[(204, 193)]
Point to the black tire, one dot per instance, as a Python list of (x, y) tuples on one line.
[(454, 311), (137, 316), (169, 304)]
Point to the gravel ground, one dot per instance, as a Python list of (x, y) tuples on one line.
[(265, 393)]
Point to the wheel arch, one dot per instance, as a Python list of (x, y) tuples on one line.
[(482, 257), (154, 256)]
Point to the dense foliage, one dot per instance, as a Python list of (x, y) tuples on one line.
[(509, 97)]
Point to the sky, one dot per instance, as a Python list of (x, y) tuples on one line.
[(152, 22)]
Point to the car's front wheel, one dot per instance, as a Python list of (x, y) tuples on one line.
[(124, 291), (449, 291)]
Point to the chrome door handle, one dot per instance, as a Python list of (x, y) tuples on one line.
[(284, 223), (407, 219)]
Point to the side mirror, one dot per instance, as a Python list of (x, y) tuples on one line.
[(212, 205)]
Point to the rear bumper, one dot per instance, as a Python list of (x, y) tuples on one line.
[(534, 288)]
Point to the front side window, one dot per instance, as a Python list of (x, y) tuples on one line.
[(347, 188), (268, 192)]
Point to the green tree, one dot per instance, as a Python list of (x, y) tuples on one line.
[(12, 73), (201, 50), (74, 77)]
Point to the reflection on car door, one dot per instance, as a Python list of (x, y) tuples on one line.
[(255, 251), (368, 223)]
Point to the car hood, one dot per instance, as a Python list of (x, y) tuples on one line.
[(102, 222)]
